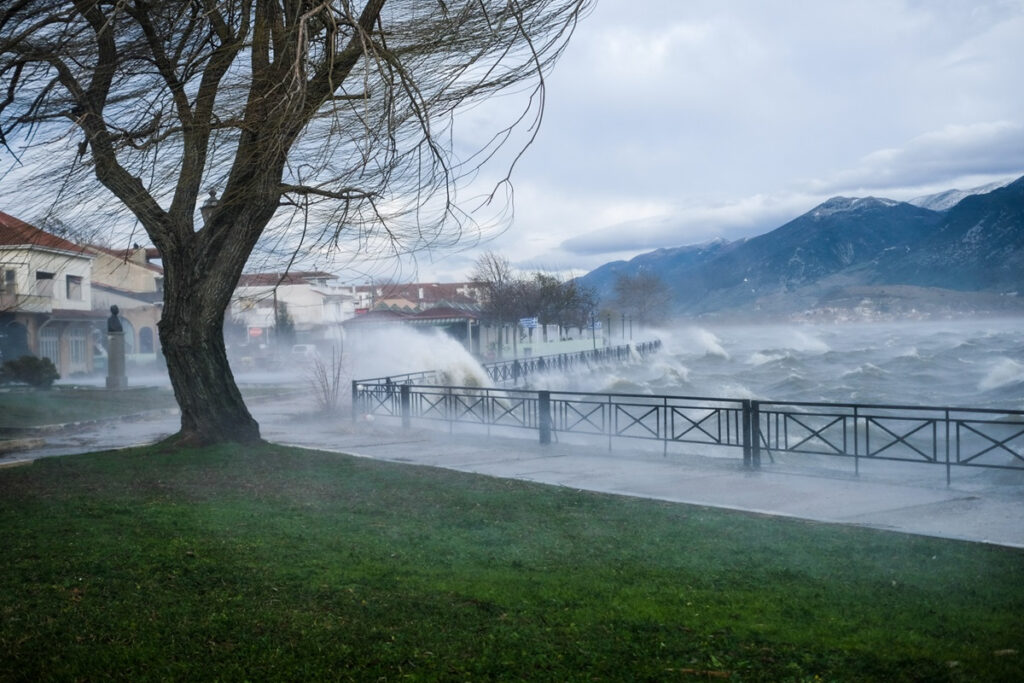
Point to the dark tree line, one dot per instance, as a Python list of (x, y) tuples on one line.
[(510, 296)]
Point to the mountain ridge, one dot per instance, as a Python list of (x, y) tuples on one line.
[(847, 247)]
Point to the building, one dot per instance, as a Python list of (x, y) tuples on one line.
[(419, 296), (313, 302), (46, 304), (128, 279)]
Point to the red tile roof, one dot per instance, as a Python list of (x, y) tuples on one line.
[(15, 232), (276, 279), (424, 292)]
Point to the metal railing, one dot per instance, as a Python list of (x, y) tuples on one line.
[(967, 437), (513, 371), (504, 372), (948, 436)]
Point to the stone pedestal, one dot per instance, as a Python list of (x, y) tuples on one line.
[(116, 378)]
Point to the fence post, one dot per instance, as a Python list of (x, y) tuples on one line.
[(406, 414), (755, 434), (449, 409), (747, 452), (355, 401), (544, 416)]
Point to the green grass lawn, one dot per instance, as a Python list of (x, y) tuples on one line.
[(23, 407), (283, 564)]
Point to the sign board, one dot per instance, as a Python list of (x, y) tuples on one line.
[(255, 331), (596, 325), (528, 322)]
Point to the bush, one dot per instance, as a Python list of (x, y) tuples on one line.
[(36, 372), (326, 380)]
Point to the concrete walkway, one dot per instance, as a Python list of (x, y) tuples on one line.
[(980, 505)]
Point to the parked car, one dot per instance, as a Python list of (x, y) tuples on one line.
[(307, 351)]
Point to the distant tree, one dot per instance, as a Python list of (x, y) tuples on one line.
[(510, 296), (284, 326), (644, 297), (502, 289), (564, 303), (333, 119)]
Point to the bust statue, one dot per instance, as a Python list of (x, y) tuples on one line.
[(113, 323)]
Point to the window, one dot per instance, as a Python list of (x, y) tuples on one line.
[(44, 283), (146, 340), (129, 336), (8, 283), (74, 288), (77, 345), (49, 345)]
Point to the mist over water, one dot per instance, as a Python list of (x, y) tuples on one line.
[(969, 363)]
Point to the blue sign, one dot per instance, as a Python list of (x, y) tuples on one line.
[(528, 322)]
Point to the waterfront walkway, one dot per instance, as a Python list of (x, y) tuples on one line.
[(980, 505)]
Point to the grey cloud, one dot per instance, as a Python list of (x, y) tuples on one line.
[(936, 158), (692, 225)]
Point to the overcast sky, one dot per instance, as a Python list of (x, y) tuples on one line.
[(672, 122)]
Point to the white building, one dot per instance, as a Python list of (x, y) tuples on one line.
[(314, 302), (45, 297)]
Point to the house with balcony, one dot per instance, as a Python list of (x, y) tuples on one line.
[(45, 297)]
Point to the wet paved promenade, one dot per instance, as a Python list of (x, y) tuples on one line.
[(979, 505)]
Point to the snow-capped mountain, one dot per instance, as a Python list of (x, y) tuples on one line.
[(943, 201), (847, 250)]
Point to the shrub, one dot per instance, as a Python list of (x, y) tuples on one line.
[(36, 372), (326, 379)]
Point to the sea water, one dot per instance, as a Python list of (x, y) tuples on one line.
[(962, 363), (974, 363)]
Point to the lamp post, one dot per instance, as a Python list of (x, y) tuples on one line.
[(609, 332), (593, 334)]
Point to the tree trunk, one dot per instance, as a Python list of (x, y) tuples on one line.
[(192, 335)]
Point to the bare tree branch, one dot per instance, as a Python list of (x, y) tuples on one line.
[(340, 113)]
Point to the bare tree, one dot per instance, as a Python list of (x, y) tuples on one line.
[(331, 120), (565, 303), (502, 287), (495, 273), (644, 297), (511, 296)]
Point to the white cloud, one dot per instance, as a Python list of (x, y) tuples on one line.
[(934, 158), (692, 224)]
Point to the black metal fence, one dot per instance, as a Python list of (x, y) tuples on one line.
[(513, 371), (970, 437)]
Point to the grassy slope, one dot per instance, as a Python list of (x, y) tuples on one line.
[(28, 408), (287, 564), (22, 407)]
